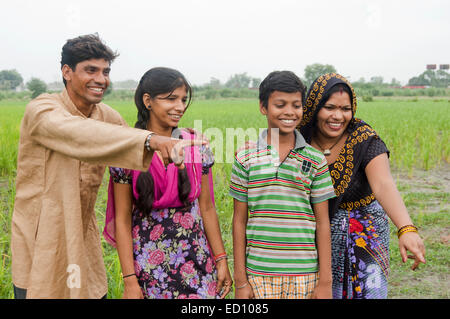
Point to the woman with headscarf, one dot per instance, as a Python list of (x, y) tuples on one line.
[(366, 192)]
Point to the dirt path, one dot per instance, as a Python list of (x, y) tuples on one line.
[(426, 181), (429, 189)]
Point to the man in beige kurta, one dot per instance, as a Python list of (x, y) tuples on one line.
[(66, 140), (62, 155)]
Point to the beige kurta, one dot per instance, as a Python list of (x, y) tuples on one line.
[(55, 241)]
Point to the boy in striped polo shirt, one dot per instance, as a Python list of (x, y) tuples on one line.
[(285, 184)]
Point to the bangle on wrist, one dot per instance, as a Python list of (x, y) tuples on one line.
[(128, 276), (243, 286), (221, 256), (406, 229), (147, 141)]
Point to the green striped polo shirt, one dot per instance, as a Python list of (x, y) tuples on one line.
[(281, 225)]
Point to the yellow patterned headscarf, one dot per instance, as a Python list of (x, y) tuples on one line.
[(315, 100)]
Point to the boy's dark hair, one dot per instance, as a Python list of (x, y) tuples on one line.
[(284, 81), (84, 48)]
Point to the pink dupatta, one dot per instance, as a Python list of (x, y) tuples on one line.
[(165, 186)]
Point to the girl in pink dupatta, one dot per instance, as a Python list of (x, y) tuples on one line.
[(163, 222)]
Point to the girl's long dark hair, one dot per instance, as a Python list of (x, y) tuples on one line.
[(154, 82)]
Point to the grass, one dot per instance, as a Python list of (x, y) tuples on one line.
[(11, 114), (7, 194), (431, 280), (416, 133)]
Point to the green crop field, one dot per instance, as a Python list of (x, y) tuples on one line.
[(417, 133)]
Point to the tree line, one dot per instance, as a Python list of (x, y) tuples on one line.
[(242, 85)]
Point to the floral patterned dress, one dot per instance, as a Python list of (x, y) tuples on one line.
[(360, 253), (172, 257)]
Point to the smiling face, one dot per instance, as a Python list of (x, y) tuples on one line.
[(166, 109), (334, 117), (284, 111), (87, 82)]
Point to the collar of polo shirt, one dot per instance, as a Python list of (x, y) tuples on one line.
[(262, 140)]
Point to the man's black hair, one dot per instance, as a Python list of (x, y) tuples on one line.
[(84, 48)]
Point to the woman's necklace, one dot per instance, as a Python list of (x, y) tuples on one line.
[(327, 151)]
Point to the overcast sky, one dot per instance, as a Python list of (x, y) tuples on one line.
[(204, 39)]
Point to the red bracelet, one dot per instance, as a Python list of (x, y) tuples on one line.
[(220, 256)]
